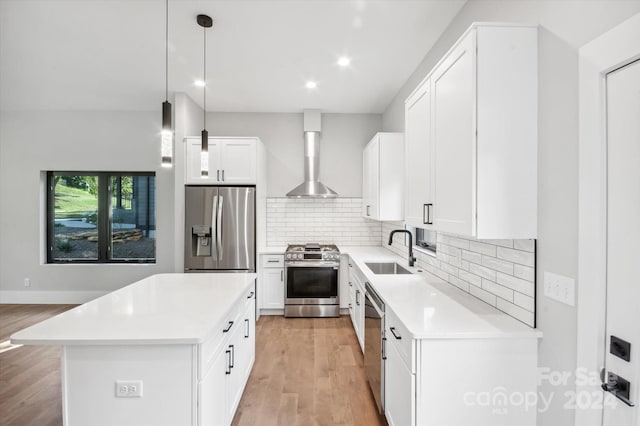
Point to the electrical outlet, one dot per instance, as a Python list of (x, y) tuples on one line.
[(27, 282), (128, 388), (560, 288)]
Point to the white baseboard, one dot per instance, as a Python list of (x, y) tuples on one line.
[(49, 297)]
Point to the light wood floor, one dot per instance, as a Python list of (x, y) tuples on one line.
[(30, 392), (307, 372)]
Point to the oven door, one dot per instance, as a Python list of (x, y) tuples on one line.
[(311, 283)]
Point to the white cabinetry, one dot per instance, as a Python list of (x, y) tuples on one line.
[(231, 161), (433, 382), (482, 125), (418, 158), (226, 375), (272, 282), (383, 177), (356, 302)]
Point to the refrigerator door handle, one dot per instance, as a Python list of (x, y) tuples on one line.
[(219, 228), (214, 233)]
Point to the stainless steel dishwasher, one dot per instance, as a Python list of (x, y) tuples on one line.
[(374, 344)]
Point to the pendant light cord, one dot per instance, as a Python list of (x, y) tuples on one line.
[(204, 76), (166, 53)]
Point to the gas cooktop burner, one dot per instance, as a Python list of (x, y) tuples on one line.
[(312, 251)]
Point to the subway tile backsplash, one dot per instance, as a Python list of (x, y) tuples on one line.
[(337, 221), (498, 272)]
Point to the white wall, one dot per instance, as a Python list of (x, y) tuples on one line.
[(342, 140), (32, 142), (564, 26)]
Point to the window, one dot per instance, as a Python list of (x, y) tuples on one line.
[(103, 217), (425, 239)]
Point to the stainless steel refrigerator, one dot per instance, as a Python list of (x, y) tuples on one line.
[(220, 229)]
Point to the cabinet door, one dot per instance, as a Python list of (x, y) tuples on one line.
[(213, 404), (236, 378), (238, 164), (419, 159), (273, 288), (454, 136), (193, 162), (399, 384), (370, 189)]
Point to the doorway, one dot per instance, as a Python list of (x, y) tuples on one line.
[(609, 226)]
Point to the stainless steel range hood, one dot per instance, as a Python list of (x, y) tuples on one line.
[(312, 187)]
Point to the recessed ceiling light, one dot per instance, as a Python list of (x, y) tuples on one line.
[(311, 85), (199, 83), (344, 61)]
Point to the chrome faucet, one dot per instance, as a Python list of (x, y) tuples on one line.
[(411, 258)]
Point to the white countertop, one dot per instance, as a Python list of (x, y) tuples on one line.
[(431, 308), (161, 309), (272, 250)]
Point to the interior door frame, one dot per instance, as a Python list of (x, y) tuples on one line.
[(612, 50)]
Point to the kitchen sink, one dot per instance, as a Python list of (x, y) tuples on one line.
[(386, 268)]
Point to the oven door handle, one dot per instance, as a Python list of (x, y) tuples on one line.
[(307, 264)]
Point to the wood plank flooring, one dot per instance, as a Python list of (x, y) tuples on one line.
[(30, 391), (308, 371)]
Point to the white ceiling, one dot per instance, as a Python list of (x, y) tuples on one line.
[(109, 54)]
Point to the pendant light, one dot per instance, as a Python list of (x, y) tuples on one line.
[(166, 147), (205, 22)]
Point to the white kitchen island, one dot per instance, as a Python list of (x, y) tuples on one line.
[(171, 349)]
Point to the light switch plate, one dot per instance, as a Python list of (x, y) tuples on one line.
[(560, 288)]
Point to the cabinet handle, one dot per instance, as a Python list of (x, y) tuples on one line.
[(282, 275), (227, 369), (218, 176), (350, 266), (223, 175), (250, 295), (393, 331), (226, 330), (350, 284), (350, 305), (233, 356), (273, 261), (384, 348), (246, 330), (357, 298), (426, 214), (368, 214)]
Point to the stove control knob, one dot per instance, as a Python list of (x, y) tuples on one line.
[(288, 255), (300, 256)]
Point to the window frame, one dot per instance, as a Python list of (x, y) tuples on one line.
[(104, 224)]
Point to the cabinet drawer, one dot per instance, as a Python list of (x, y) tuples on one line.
[(273, 261), (397, 334), (209, 349)]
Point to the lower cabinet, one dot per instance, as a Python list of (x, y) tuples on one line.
[(400, 384), (225, 377), (272, 282), (458, 381), (356, 302)]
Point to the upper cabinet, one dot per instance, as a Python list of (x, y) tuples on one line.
[(480, 155), (419, 190), (383, 177), (232, 161)]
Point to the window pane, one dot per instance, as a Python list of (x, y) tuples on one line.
[(133, 224), (75, 217)]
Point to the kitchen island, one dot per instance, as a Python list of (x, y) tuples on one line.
[(169, 349)]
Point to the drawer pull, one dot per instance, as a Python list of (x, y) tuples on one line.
[(233, 356), (250, 295), (273, 261), (393, 331), (226, 330), (228, 366), (246, 330)]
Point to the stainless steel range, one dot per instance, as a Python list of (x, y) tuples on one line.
[(312, 280)]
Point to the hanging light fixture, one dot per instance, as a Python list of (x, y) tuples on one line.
[(166, 147), (205, 22)]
